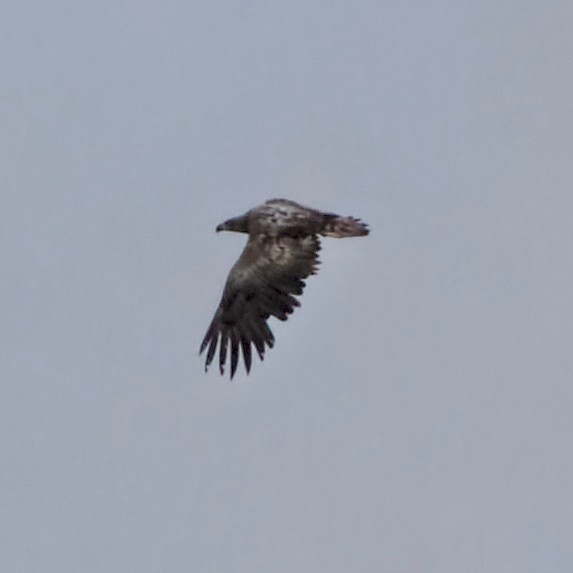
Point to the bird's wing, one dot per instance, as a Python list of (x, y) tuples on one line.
[(261, 284)]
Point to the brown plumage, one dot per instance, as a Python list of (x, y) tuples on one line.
[(282, 249)]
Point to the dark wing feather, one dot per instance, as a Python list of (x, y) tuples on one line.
[(261, 284)]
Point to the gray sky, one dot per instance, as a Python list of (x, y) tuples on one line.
[(415, 414)]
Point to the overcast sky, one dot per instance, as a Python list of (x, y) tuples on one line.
[(415, 415)]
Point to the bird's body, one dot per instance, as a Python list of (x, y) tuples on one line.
[(282, 249)]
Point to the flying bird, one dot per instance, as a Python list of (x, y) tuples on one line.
[(282, 249)]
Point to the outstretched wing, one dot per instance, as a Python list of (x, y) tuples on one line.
[(261, 284)]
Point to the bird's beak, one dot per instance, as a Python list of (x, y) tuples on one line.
[(220, 227)]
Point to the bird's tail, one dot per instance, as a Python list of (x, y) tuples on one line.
[(336, 226)]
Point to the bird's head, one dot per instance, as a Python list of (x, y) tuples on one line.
[(237, 224)]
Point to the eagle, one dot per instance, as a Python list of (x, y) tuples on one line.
[(281, 251)]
